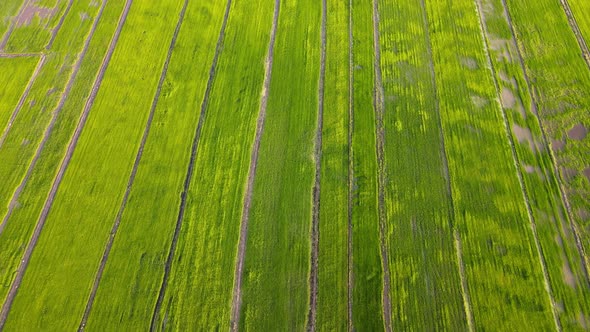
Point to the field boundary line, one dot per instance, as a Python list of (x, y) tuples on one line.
[(525, 195), (350, 193), (8, 32), (57, 28), (22, 99), (315, 232), (64, 165), (237, 291), (115, 228), (467, 307), (20, 55), (378, 104), (190, 170), (535, 105), (573, 23)]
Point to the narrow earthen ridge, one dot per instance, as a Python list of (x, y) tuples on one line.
[(12, 24), (447, 174), (64, 165), (20, 55), (576, 29), (535, 105), (350, 165), (380, 152), (55, 113), (146, 133), (190, 170), (237, 292), (55, 30), (315, 225), (22, 99), (542, 262)]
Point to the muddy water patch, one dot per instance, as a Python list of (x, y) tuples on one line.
[(469, 63), (568, 275), (557, 145), (587, 173), (578, 132), (524, 135), (31, 11), (568, 173), (508, 99)]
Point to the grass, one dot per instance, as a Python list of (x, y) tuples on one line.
[(422, 255), (9, 9), (332, 306), (201, 282), (502, 269), (276, 272), (16, 74), (85, 200), (566, 274), (580, 9), (138, 252)]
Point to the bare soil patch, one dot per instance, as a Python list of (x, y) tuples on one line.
[(587, 173), (568, 275), (578, 132), (524, 135), (469, 63), (557, 145), (508, 99), (31, 11)]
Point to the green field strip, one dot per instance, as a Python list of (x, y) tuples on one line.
[(558, 245), (502, 270), (34, 35), (72, 220), (11, 10), (138, 253), (561, 80), (367, 310), (16, 231), (580, 10), (18, 74), (199, 291), (332, 297), (276, 269), (582, 37), (425, 281), (55, 30)]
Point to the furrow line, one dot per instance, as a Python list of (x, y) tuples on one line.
[(315, 236), (55, 30), (55, 114), (22, 99), (12, 24), (447, 174), (146, 132), (576, 30), (535, 103), (64, 165), (19, 55), (350, 165), (542, 261), (190, 170), (380, 152), (237, 292)]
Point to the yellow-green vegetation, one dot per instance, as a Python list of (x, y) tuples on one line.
[(17, 75)]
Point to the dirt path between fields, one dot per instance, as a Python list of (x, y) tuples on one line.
[(131, 180), (315, 226), (13, 22), (447, 174), (380, 147), (237, 292), (535, 103), (20, 55), (541, 256), (351, 181), (576, 29), (21, 101), (190, 170), (64, 165), (55, 30)]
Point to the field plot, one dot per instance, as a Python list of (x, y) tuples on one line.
[(319, 165)]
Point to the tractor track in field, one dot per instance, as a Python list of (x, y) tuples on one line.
[(12, 24), (133, 174), (315, 227), (381, 177), (22, 99), (237, 292), (64, 165), (55, 113), (190, 170), (535, 105), (55, 30), (576, 30), (447, 175), (533, 224), (350, 257)]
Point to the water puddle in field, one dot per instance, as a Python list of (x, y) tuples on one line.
[(583, 214), (469, 63), (524, 135), (31, 11), (568, 173), (501, 48), (557, 145), (578, 132), (587, 173), (583, 321), (508, 99), (529, 169), (568, 275)]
